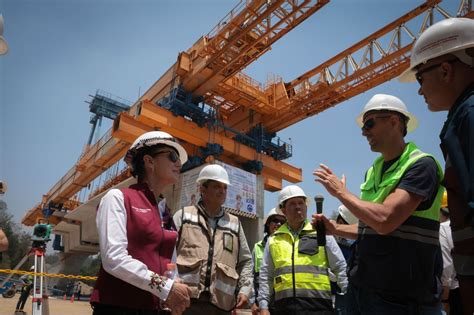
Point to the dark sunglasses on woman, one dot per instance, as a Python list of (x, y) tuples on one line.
[(172, 155)]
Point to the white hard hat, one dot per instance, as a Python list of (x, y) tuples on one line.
[(290, 191), (32, 268), (450, 36), (388, 103), (273, 212), (153, 138), (213, 172), (347, 215)]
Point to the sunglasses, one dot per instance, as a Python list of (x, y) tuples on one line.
[(277, 221), (172, 155), (370, 123), (419, 74)]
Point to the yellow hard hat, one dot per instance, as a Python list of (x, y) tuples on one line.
[(444, 201)]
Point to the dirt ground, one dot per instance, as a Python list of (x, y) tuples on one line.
[(56, 307)]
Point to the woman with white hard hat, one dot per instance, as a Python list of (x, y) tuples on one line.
[(274, 219), (137, 236)]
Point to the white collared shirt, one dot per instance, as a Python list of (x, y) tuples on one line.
[(111, 223)]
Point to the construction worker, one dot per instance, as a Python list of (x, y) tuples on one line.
[(347, 246), (397, 264), (451, 297), (275, 218), (213, 256), (137, 237), (345, 217), (27, 285), (295, 267), (442, 61)]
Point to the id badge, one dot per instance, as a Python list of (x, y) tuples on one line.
[(228, 242)]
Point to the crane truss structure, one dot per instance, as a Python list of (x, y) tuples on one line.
[(206, 100)]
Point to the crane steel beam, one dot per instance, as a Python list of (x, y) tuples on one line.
[(343, 77), (244, 38), (351, 72), (128, 128)]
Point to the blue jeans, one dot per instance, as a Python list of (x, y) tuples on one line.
[(361, 301)]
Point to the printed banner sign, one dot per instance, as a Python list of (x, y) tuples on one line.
[(241, 194)]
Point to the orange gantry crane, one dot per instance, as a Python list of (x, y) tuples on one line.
[(216, 110)]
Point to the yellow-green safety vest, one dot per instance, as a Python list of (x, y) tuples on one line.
[(298, 275)]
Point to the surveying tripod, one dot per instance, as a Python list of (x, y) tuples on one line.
[(40, 237), (39, 282)]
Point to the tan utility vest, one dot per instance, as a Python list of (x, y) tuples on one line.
[(207, 259)]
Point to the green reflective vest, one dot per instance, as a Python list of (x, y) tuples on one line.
[(406, 262), (258, 250), (378, 186), (299, 275)]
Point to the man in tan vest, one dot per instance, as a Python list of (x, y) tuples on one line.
[(213, 256)]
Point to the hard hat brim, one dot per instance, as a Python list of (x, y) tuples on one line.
[(274, 215), (407, 76), (183, 155), (203, 180)]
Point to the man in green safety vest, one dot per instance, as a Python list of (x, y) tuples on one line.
[(397, 263), (295, 267)]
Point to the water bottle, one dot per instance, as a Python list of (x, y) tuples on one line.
[(170, 273)]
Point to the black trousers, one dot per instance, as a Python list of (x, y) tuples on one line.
[(455, 302), (23, 297)]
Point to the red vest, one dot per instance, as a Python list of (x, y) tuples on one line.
[(148, 242)]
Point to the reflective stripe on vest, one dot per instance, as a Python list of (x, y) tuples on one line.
[(304, 293), (191, 277), (225, 223), (190, 217), (224, 287), (296, 274), (301, 269), (462, 235), (406, 232)]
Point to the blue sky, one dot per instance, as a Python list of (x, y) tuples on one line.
[(62, 51)]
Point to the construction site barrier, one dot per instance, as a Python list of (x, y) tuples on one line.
[(44, 274)]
